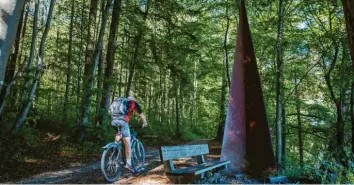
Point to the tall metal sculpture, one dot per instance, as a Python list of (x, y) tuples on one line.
[(247, 142)]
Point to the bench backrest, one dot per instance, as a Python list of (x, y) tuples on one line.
[(176, 152)]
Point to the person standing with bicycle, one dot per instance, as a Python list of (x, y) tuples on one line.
[(121, 111)]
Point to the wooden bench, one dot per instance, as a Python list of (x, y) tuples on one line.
[(203, 172)]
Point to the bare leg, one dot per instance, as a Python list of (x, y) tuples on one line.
[(126, 141), (117, 138)]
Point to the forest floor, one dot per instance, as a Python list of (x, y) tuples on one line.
[(61, 168)]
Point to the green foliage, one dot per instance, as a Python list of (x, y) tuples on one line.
[(14, 147)]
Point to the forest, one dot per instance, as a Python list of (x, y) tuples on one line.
[(65, 61)]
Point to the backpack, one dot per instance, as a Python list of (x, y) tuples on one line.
[(119, 108)]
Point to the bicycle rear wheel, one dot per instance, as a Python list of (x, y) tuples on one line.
[(112, 162), (138, 156)]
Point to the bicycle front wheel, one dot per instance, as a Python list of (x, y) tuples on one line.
[(112, 162), (138, 156)]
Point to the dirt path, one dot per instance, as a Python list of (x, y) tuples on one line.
[(91, 173)]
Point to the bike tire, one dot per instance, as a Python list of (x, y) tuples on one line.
[(115, 166), (138, 156)]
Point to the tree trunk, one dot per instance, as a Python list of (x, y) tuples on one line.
[(164, 92), (16, 89), (149, 111), (181, 103), (96, 55), (10, 13), (8, 90), (339, 148), (176, 85), (283, 138), (32, 54), (195, 85), (90, 42), (299, 123), (340, 132), (279, 83), (105, 102), (99, 89), (79, 68), (160, 104), (348, 7), (120, 80), (136, 52), (70, 54), (24, 111), (23, 33), (352, 114), (168, 110)]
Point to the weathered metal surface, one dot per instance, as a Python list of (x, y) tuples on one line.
[(247, 142), (176, 152)]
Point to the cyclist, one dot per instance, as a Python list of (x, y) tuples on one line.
[(121, 111)]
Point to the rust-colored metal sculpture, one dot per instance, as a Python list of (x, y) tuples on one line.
[(247, 142)]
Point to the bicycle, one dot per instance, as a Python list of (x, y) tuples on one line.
[(113, 157)]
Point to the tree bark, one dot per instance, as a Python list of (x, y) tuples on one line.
[(24, 111), (283, 138), (107, 86), (16, 89), (99, 89), (352, 114), (8, 90), (10, 13), (70, 54), (279, 83), (23, 33), (339, 148), (32, 54), (299, 123), (90, 42), (79, 68), (348, 7), (176, 86), (98, 48), (195, 89)]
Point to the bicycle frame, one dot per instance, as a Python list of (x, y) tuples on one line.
[(120, 143), (119, 146)]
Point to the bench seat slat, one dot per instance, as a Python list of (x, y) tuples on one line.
[(195, 170), (176, 152)]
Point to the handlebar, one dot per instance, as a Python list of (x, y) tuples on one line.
[(140, 127)]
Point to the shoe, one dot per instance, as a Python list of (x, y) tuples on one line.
[(129, 167)]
